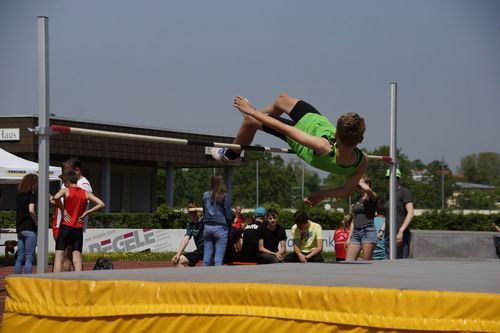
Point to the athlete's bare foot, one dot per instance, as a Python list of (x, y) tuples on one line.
[(242, 104)]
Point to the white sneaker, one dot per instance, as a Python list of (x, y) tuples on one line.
[(218, 155)]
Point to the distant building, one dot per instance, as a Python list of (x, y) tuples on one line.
[(122, 172), (474, 186), (457, 196), (418, 174)]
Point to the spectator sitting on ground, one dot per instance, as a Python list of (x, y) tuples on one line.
[(307, 240), (233, 248), (239, 219), (272, 242), (251, 236), (194, 230)]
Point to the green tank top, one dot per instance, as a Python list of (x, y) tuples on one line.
[(317, 125)]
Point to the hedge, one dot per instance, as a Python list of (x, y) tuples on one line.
[(168, 218)]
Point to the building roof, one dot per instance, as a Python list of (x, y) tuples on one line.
[(93, 147)]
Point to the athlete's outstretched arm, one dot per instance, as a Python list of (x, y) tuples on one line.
[(340, 192)]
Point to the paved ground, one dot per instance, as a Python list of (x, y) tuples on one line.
[(4, 271)]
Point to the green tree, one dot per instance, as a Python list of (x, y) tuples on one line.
[(377, 170), (279, 182), (427, 192), (483, 168)]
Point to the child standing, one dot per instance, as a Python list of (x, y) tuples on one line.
[(74, 212), (340, 237)]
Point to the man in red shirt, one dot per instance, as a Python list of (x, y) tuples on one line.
[(74, 211)]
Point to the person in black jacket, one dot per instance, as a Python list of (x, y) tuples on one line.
[(26, 223)]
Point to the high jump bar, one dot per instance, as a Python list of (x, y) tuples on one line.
[(84, 131)]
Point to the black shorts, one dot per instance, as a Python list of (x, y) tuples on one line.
[(69, 236), (299, 110), (194, 257)]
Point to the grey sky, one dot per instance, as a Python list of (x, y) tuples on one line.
[(178, 65)]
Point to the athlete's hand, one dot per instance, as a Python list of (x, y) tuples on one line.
[(314, 198)]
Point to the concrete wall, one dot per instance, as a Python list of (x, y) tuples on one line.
[(453, 244)]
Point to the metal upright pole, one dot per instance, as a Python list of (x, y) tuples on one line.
[(43, 143), (302, 192), (392, 180), (257, 183), (442, 182)]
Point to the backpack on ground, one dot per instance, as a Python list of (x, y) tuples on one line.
[(103, 263)]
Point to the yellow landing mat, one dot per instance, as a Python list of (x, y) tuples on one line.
[(49, 305)]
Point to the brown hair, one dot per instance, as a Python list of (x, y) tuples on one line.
[(272, 212), (218, 188), (380, 206), (69, 176), (28, 184), (300, 217), (350, 129), (346, 221)]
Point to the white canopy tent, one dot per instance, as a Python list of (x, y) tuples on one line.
[(14, 168)]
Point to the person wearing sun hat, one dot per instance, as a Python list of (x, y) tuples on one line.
[(404, 213)]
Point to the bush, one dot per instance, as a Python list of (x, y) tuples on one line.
[(328, 220), (168, 218), (122, 220), (8, 219), (447, 220)]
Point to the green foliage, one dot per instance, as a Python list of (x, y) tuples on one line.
[(190, 184), (130, 256), (279, 182), (163, 218), (377, 169), (8, 218), (446, 220), (328, 220), (483, 168), (427, 193), (168, 218), (114, 256), (122, 220)]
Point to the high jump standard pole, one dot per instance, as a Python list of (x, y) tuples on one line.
[(392, 180), (43, 143)]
